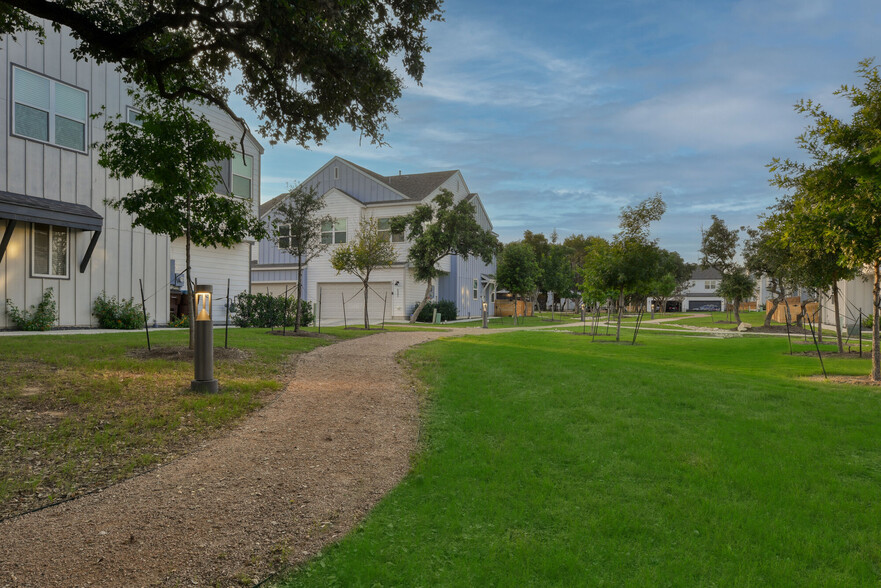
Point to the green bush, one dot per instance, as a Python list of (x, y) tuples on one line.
[(267, 311), (867, 321), (445, 308), (40, 317), (117, 314), (179, 322)]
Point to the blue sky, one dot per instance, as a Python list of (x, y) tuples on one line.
[(560, 113)]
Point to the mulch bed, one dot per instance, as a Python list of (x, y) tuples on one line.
[(857, 380)]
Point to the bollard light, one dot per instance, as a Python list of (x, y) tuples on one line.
[(582, 312), (204, 342), (485, 309)]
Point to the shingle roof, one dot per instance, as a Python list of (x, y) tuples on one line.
[(706, 274), (270, 204)]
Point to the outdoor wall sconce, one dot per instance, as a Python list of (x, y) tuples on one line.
[(204, 342), (485, 310)]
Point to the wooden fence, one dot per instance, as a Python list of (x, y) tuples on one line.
[(506, 308), (794, 305)]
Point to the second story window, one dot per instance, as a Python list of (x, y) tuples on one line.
[(710, 285), (284, 236), (48, 111), (333, 232), (385, 229), (242, 175)]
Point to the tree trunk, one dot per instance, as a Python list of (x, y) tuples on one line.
[(422, 304), (299, 281), (737, 310), (836, 303), (778, 296), (620, 314), (876, 318), (819, 316), (366, 324), (800, 318)]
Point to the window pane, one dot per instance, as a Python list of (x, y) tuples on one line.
[(284, 242), (327, 238), (339, 224), (41, 249), (30, 122), (59, 251), (284, 230), (397, 237), (241, 187), (70, 102), (133, 117), (70, 133), (243, 168), (31, 88), (384, 224), (339, 237), (326, 226)]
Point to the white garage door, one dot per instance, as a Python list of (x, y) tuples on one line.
[(334, 295)]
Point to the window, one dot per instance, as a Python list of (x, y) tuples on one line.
[(48, 251), (48, 111), (385, 229), (284, 236), (710, 285), (474, 289), (132, 116), (333, 232), (242, 174), (336, 173)]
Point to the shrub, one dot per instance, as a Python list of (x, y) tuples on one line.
[(867, 321), (267, 311), (40, 317), (117, 314), (179, 322), (445, 308)]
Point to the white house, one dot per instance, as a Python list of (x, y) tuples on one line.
[(701, 295), (55, 229), (352, 193)]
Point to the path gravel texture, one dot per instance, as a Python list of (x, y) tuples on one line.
[(291, 478)]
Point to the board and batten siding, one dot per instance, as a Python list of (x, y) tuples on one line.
[(213, 268), (124, 254)]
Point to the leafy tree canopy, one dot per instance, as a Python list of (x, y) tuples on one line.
[(305, 66), (719, 246), (517, 269)]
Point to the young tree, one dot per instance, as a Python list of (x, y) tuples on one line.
[(718, 248), (176, 152), (517, 270), (674, 277), (297, 226), (306, 66), (368, 251), (446, 228), (766, 254), (846, 171)]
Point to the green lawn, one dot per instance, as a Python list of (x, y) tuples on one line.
[(508, 322), (551, 460), (79, 412)]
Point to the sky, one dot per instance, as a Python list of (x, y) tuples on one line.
[(558, 113)]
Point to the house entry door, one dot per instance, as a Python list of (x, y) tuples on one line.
[(397, 299)]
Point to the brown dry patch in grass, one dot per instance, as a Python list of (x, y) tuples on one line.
[(856, 380), (184, 353)]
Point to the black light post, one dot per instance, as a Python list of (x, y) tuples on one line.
[(204, 334)]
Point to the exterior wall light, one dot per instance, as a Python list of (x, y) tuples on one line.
[(204, 342)]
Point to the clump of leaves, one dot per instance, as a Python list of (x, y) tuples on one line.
[(39, 318), (117, 314)]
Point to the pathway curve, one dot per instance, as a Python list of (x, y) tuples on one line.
[(292, 477)]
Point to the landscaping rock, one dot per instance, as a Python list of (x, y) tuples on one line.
[(742, 327)]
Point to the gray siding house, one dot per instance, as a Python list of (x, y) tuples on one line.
[(55, 230), (351, 193)]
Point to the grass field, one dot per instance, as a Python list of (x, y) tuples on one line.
[(79, 412), (551, 460)]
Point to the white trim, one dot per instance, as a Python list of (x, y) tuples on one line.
[(51, 114), (34, 274)]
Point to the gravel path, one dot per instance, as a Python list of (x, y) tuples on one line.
[(291, 478)]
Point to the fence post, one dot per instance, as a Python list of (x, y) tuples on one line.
[(345, 320), (384, 302)]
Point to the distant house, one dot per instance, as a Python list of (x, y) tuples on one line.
[(701, 295), (55, 229), (351, 193)]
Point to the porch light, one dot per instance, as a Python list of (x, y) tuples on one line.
[(204, 342)]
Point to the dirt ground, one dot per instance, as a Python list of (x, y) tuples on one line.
[(291, 478)]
